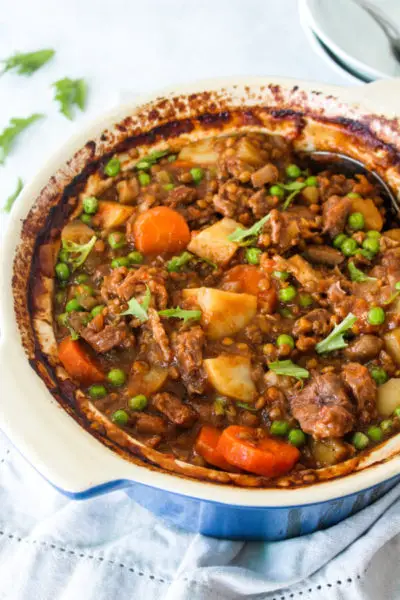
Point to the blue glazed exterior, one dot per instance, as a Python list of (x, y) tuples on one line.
[(247, 523)]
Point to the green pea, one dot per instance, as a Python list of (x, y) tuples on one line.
[(120, 417), (135, 257), (143, 164), (62, 271), (116, 377), (97, 391), (356, 221), (253, 256), (90, 205), (60, 297), (396, 412), (297, 437), (371, 245), (197, 173), (353, 195), (172, 157), (397, 286), (117, 240), (113, 167), (144, 179), (86, 219), (375, 433), (360, 441), (373, 234), (279, 428), (339, 239), (312, 180), (286, 312), (305, 300), (349, 247), (63, 255), (121, 261), (276, 190), (137, 402), (282, 275), (285, 340), (168, 187), (287, 294), (81, 278), (293, 171), (73, 305), (386, 425), (376, 316), (379, 375), (62, 319), (97, 310)]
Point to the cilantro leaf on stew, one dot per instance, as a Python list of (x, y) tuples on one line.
[(28, 62), (70, 92), (15, 127), (11, 199), (335, 340), (180, 313), (78, 252), (357, 275), (240, 234), (288, 367), (139, 309)]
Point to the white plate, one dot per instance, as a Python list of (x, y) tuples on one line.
[(322, 51), (354, 36)]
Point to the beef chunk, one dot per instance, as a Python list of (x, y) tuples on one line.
[(232, 199), (323, 407), (288, 228), (363, 388), (316, 322), (125, 284), (146, 423), (364, 347), (182, 194), (174, 409), (111, 336), (188, 350), (324, 255), (334, 213)]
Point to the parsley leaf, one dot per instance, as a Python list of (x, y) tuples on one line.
[(288, 367), (357, 275), (27, 63), (180, 313), (246, 406), (11, 199), (63, 320), (335, 340), (177, 262), (293, 186), (139, 309), (147, 161), (239, 234), (79, 252), (8, 135), (70, 92)]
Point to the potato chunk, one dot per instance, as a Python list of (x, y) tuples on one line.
[(372, 216), (388, 397), (330, 451), (231, 376), (212, 243), (77, 232), (392, 343), (147, 383), (112, 214), (201, 152), (223, 313)]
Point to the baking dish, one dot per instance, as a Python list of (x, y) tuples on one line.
[(359, 122)]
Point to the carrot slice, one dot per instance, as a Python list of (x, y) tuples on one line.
[(266, 456), (161, 229), (247, 279), (78, 363), (206, 446)]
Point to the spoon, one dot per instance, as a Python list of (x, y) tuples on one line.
[(390, 30), (352, 166)]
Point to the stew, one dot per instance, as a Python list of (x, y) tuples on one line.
[(230, 307)]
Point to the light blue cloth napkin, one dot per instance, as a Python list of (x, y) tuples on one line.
[(52, 548)]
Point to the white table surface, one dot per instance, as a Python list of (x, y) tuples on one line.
[(122, 46)]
